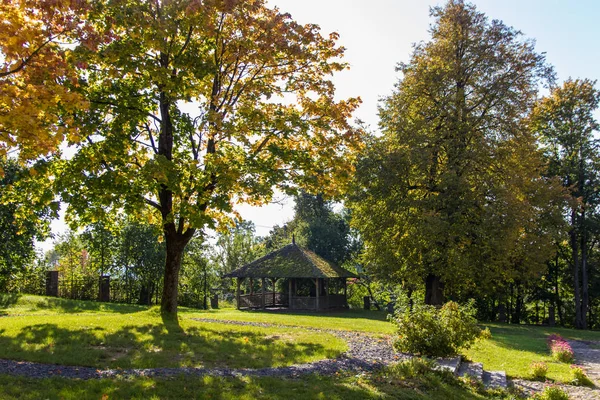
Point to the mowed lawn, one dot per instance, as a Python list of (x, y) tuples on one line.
[(371, 322), (99, 335)]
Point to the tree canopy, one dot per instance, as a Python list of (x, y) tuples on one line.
[(196, 106), (450, 193), (38, 73)]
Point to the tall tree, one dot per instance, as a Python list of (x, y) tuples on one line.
[(141, 256), (199, 105), (565, 119), (235, 247), (449, 194)]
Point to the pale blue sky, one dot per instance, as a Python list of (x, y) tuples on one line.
[(379, 33)]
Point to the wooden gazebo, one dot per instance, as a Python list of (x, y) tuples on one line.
[(291, 277)]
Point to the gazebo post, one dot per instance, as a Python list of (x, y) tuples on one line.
[(290, 305), (345, 292), (251, 286), (317, 293), (326, 285), (274, 281), (262, 298), (237, 292)]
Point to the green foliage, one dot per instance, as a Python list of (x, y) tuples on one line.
[(317, 227), (265, 116), (26, 207), (141, 260), (235, 247), (538, 370), (579, 377), (566, 122), (453, 188), (552, 393), (426, 330), (199, 276)]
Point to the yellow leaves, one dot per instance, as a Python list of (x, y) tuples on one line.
[(32, 74)]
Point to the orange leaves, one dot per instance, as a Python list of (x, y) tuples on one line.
[(35, 98)]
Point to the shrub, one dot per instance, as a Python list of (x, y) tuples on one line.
[(579, 377), (538, 370), (485, 334), (427, 330), (560, 348), (552, 393)]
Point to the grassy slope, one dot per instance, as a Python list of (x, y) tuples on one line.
[(513, 348)]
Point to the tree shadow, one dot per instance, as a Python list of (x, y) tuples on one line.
[(334, 313), (521, 338), (155, 345), (77, 306), (308, 387)]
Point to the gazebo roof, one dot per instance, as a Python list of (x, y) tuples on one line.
[(291, 261)]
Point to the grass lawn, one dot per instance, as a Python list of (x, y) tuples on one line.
[(513, 348), (116, 336), (352, 320)]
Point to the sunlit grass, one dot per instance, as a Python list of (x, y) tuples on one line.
[(513, 348), (114, 336), (353, 320)]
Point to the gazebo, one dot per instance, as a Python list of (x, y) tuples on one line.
[(291, 277)]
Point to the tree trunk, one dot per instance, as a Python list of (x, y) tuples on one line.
[(575, 256), (584, 274), (434, 290), (176, 243)]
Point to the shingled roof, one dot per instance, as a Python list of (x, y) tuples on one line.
[(291, 261)]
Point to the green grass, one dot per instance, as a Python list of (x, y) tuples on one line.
[(393, 383), (352, 320), (114, 336), (513, 348)]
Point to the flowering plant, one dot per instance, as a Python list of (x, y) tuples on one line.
[(560, 348)]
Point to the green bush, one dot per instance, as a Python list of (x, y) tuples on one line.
[(538, 370), (552, 393), (429, 331), (579, 377)]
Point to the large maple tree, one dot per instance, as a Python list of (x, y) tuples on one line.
[(198, 105)]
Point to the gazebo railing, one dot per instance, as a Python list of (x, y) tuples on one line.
[(272, 299)]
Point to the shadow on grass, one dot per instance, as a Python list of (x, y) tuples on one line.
[(157, 345), (311, 387), (78, 306), (520, 337), (341, 314)]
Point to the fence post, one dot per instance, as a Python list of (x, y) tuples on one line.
[(367, 303), (104, 292), (52, 283)]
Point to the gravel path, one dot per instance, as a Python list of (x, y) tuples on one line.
[(365, 353), (587, 354)]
